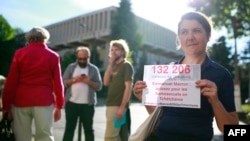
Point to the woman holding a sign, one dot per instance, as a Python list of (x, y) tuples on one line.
[(216, 89)]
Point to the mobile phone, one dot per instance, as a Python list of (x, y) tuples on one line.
[(83, 74)]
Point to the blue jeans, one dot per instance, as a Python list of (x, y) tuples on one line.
[(74, 111)]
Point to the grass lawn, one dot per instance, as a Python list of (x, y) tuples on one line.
[(246, 109)]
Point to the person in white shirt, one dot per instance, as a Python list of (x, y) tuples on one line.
[(81, 79)]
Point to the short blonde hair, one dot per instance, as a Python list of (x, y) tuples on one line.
[(37, 34), (122, 44)]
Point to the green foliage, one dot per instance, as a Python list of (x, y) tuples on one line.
[(232, 14), (245, 107), (10, 40), (244, 81), (123, 23), (248, 116), (6, 53), (124, 26), (140, 69), (67, 59), (130, 59), (95, 58), (18, 32), (6, 31), (220, 53)]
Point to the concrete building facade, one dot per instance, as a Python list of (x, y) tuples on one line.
[(93, 29)]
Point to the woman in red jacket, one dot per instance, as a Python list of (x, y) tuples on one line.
[(34, 88)]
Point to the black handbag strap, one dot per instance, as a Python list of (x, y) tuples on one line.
[(5, 119), (6, 132)]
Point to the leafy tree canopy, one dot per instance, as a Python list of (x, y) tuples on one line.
[(220, 53), (124, 25), (234, 15), (10, 40), (6, 31)]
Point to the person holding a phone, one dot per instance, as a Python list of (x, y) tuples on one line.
[(81, 79)]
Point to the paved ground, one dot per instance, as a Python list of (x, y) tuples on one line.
[(138, 115)]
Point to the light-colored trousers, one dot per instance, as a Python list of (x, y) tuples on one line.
[(43, 120), (111, 132)]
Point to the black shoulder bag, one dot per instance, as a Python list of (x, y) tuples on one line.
[(6, 132)]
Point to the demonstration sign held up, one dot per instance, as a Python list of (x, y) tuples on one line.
[(172, 85)]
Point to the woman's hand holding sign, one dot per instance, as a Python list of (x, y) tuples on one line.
[(138, 87), (208, 89)]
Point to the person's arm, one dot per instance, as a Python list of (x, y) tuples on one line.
[(222, 116), (11, 84), (91, 83), (107, 75), (96, 83), (93, 79), (58, 85), (58, 91), (137, 90), (70, 81), (150, 109), (57, 115), (67, 78), (126, 96)]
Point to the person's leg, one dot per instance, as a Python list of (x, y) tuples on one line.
[(22, 123), (111, 133), (86, 117), (125, 129), (124, 132), (43, 119), (129, 120), (71, 115)]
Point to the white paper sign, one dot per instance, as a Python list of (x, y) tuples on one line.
[(172, 85)]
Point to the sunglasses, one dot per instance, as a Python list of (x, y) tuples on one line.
[(84, 59)]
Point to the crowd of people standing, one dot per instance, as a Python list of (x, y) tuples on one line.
[(36, 89)]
